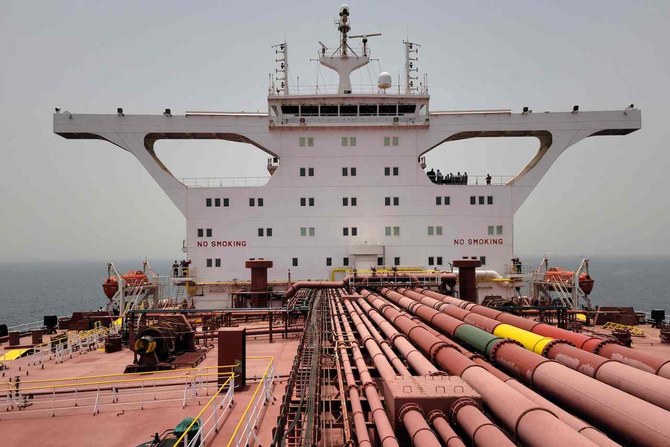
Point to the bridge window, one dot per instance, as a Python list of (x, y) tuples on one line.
[(329, 261), (328, 110), (406, 109), (348, 110), (309, 110), (290, 110), (368, 109), (388, 109)]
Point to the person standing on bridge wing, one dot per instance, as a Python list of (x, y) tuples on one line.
[(488, 179), (175, 269)]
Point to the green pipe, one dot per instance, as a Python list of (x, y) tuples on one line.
[(479, 339)]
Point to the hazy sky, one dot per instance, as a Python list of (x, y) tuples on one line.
[(91, 200)]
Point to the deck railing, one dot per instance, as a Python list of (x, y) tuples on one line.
[(224, 182)]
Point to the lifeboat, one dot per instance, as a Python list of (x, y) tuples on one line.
[(565, 276), (132, 279)]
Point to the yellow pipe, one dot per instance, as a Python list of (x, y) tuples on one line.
[(532, 342)]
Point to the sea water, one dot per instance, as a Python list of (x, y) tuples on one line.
[(28, 291)]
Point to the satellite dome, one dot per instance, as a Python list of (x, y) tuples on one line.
[(384, 80)]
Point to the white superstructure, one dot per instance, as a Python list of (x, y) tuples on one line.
[(347, 186)]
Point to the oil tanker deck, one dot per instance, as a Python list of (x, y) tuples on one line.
[(382, 308)]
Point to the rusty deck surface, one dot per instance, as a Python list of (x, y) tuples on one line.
[(130, 425)]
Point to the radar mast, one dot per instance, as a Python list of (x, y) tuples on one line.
[(344, 60)]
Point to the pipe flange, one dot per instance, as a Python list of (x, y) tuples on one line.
[(475, 355), (602, 344), (353, 385), (370, 384), (507, 341), (434, 414), (397, 335), (365, 340), (440, 346), (407, 408), (458, 405), (438, 373), (551, 344)]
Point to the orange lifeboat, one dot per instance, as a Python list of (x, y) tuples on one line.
[(565, 276), (132, 278)]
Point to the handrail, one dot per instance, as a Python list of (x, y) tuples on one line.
[(253, 398), (179, 373), (201, 412)]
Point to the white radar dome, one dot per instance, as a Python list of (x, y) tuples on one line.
[(384, 80)]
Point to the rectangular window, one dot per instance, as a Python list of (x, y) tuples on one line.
[(380, 260), (252, 202), (395, 141), (201, 232), (302, 172), (438, 200), (217, 202), (301, 141), (354, 231), (473, 200), (498, 229), (447, 200), (438, 231), (396, 231), (209, 262), (353, 172), (217, 262), (310, 141), (295, 262), (482, 259), (303, 231), (431, 231), (260, 232), (345, 231), (439, 260), (387, 231), (345, 141), (312, 231), (396, 201), (489, 200), (345, 262), (345, 172), (311, 201), (395, 170), (329, 261), (396, 261), (208, 202), (226, 202), (387, 141), (260, 201), (303, 201), (387, 171), (387, 201), (431, 260), (481, 200), (491, 230), (352, 141), (353, 201), (268, 232), (345, 201), (209, 232), (310, 172)]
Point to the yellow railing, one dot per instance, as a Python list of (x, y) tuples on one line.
[(246, 410), (261, 383)]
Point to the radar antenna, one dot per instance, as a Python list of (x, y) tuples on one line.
[(340, 60)]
